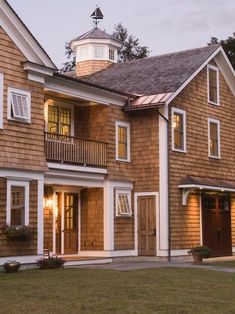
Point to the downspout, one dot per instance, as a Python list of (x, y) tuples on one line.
[(168, 185)]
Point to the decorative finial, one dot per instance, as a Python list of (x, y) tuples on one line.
[(96, 16)]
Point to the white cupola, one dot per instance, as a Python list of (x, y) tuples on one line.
[(95, 51)]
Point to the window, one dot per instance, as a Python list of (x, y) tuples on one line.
[(83, 53), (17, 203), (122, 141), (178, 130), (19, 103), (213, 84), (59, 120), (123, 203), (99, 52), (111, 54), (214, 138)]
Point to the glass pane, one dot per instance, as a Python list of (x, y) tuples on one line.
[(178, 131), (123, 204), (17, 206), (122, 142), (214, 147), (213, 85), (53, 119), (224, 204), (65, 121), (209, 203), (20, 106)]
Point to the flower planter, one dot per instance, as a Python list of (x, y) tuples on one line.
[(11, 267), (197, 258)]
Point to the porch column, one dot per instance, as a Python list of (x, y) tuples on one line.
[(108, 217), (163, 183), (40, 216)]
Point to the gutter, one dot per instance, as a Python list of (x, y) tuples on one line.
[(168, 179)]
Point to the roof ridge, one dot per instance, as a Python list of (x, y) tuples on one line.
[(171, 53)]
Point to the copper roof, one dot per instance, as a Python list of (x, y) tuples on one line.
[(144, 102), (207, 182)]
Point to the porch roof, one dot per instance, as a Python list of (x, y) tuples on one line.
[(195, 182)]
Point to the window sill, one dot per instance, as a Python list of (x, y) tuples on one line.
[(213, 103), (179, 151), (214, 157), (124, 216), (20, 120), (123, 160)]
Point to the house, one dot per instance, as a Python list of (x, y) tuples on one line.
[(114, 159)]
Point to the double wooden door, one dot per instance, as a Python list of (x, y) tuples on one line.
[(216, 221), (67, 224), (146, 225)]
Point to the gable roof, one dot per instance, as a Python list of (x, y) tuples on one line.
[(154, 75), (22, 37), (94, 33)]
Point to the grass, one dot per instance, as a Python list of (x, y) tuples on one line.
[(161, 290), (229, 264)]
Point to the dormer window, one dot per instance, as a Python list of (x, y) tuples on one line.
[(111, 54), (99, 52), (19, 105), (83, 53), (213, 84)]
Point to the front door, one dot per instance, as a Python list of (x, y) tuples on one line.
[(147, 225), (216, 221), (70, 223)]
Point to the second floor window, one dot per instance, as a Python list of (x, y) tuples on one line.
[(213, 84), (178, 130), (214, 138), (122, 141), (59, 120), (19, 105)]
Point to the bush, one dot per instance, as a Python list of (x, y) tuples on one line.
[(19, 233), (50, 263), (202, 250)]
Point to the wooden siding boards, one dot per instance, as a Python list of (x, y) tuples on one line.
[(92, 220), (193, 99), (14, 248), (21, 144)]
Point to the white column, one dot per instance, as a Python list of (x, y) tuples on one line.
[(108, 217), (40, 216), (163, 184)]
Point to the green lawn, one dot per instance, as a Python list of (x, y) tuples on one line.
[(230, 264), (162, 290)]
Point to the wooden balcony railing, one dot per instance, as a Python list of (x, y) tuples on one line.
[(68, 149)]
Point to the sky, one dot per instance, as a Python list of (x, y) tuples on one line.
[(162, 25)]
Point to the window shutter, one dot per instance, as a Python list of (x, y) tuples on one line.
[(1, 100)]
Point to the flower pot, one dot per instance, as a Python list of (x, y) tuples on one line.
[(197, 258), (11, 267)]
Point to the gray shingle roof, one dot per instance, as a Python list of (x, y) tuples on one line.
[(153, 75), (94, 33)]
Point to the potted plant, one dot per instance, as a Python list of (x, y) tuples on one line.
[(19, 233), (200, 252), (50, 262), (11, 266)]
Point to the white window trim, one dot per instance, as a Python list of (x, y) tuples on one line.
[(59, 104), (126, 125), (122, 191), (180, 111), (1, 99), (209, 136), (10, 184), (9, 104), (212, 67)]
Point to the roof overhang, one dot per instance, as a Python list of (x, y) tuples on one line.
[(190, 184), (148, 102), (37, 72), (98, 41)]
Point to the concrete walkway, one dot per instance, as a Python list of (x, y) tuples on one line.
[(136, 265)]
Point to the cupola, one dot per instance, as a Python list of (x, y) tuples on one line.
[(95, 51)]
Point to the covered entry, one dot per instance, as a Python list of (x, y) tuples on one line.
[(215, 211), (146, 211)]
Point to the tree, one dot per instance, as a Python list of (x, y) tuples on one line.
[(228, 46), (131, 49)]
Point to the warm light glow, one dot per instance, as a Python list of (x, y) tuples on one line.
[(48, 203)]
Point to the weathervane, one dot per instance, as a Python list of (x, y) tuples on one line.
[(96, 16)]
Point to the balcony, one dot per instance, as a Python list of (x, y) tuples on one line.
[(74, 150)]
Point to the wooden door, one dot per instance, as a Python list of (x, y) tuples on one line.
[(147, 225), (70, 223), (216, 221)]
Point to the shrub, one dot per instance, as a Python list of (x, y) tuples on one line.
[(50, 263), (202, 250)]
